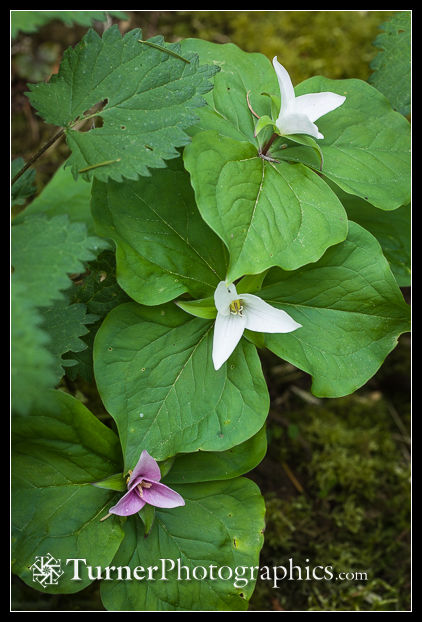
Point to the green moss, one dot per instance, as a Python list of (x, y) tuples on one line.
[(336, 44), (345, 502)]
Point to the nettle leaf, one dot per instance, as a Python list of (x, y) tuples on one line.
[(65, 323), (46, 250), (155, 375), (351, 310), (32, 364), (267, 213), (147, 98), (392, 65), (58, 451), (220, 525), (62, 195), (163, 247), (30, 21), (366, 145), (99, 291)]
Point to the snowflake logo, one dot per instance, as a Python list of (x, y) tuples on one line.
[(46, 570)]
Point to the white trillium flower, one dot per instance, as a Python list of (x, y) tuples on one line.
[(235, 312), (297, 114)]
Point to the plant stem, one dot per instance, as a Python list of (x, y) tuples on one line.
[(268, 144), (38, 154)]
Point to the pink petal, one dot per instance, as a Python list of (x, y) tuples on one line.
[(129, 504), (146, 467), (162, 496)]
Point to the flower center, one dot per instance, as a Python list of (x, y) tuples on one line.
[(143, 485), (236, 308)]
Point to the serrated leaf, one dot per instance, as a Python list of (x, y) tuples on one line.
[(45, 251), (30, 21), (155, 375), (150, 100), (351, 311), (62, 195), (392, 65), (65, 323), (32, 364)]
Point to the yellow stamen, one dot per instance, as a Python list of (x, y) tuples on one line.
[(143, 485), (236, 307)]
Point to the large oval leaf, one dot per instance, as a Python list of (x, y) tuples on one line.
[(58, 452), (351, 310), (220, 525), (164, 248), (267, 213), (155, 375), (366, 145)]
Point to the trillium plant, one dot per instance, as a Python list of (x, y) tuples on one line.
[(209, 215)]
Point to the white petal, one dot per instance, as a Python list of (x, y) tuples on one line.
[(228, 330), (316, 105), (297, 124), (263, 318), (223, 296), (286, 87)]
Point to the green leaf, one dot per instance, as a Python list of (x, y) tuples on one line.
[(220, 525), (242, 76), (62, 195), (308, 141), (366, 145), (23, 187), (45, 251), (145, 98), (58, 451), (114, 482), (204, 308), (147, 515), (155, 375), (100, 293), (262, 122), (163, 247), (267, 214), (32, 364), (351, 311), (65, 323), (207, 466), (392, 230), (392, 65), (31, 21)]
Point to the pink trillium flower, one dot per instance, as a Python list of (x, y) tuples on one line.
[(144, 487), (297, 114)]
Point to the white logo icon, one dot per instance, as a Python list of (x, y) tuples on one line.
[(46, 570)]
